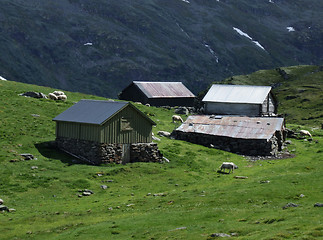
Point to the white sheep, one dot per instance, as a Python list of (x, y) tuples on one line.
[(62, 97), (177, 118), (58, 93), (52, 96), (305, 133)]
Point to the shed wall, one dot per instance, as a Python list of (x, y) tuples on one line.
[(232, 109), (78, 131), (268, 107), (133, 93), (140, 132), (172, 102)]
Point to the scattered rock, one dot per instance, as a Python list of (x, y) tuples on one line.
[(33, 167), (220, 235), (35, 115), (160, 194), (86, 194), (11, 210), (155, 138), (181, 110), (288, 142), (27, 156), (1, 201), (104, 186), (302, 195), (290, 205), (33, 94), (240, 177), (4, 208), (264, 181), (318, 205), (163, 133)]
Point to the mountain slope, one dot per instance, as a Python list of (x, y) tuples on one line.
[(101, 46)]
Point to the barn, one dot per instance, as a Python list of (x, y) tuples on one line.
[(243, 135), (240, 100), (106, 131), (158, 94)]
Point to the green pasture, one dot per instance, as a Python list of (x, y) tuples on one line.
[(183, 199)]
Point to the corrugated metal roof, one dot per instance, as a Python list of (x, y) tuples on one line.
[(90, 111), (234, 127), (163, 89), (237, 94)]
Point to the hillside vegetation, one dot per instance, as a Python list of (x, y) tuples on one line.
[(100, 46), (298, 89), (183, 199)]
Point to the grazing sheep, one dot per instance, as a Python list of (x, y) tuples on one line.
[(228, 165), (58, 93), (52, 96), (176, 118), (62, 97), (305, 133)]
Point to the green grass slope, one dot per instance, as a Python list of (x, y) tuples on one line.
[(183, 199), (299, 93)]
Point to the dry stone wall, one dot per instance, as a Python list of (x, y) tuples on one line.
[(250, 147), (101, 153)]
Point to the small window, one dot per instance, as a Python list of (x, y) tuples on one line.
[(125, 124)]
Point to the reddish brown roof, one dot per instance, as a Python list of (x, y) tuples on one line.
[(164, 89), (234, 127)]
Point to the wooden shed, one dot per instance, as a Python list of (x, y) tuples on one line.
[(94, 130), (240, 100), (158, 93)]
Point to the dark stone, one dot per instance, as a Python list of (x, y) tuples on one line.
[(4, 208), (34, 94), (318, 205), (219, 235), (27, 156), (290, 205)]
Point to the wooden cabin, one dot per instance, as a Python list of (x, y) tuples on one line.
[(102, 131), (158, 94), (242, 100)]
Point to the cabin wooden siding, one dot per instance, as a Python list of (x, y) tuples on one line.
[(139, 130)]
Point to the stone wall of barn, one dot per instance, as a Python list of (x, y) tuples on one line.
[(250, 147), (102, 153)]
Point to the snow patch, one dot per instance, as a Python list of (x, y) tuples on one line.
[(242, 33), (271, 1), (2, 78), (186, 1), (212, 52), (250, 38), (88, 44), (290, 29)]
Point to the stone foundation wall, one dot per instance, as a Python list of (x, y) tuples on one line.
[(98, 153), (250, 147)]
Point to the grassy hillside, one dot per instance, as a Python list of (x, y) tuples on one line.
[(183, 199), (100, 46), (299, 91)]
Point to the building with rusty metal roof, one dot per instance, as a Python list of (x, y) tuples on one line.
[(244, 135), (243, 100), (158, 93)]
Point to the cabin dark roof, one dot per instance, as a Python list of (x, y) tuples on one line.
[(163, 89), (233, 127), (93, 111), (237, 94)]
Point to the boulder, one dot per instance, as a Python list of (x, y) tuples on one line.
[(182, 110), (27, 156), (288, 205), (34, 94), (318, 205), (219, 235), (1, 201), (4, 208)]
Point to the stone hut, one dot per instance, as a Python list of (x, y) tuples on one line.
[(243, 135), (242, 100), (106, 132), (158, 94)]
